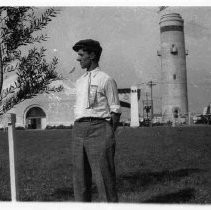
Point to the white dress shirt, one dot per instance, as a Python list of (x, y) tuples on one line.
[(96, 95)]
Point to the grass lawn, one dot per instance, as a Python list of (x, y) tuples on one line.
[(153, 165)]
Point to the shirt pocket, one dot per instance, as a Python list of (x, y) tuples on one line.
[(93, 95)]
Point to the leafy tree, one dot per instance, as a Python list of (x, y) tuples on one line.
[(18, 26)]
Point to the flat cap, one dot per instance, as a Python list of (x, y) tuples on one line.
[(89, 44)]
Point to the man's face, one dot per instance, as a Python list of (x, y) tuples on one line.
[(84, 58)]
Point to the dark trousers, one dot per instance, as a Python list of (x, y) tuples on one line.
[(93, 157)]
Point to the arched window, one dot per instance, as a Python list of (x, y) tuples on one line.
[(35, 118)]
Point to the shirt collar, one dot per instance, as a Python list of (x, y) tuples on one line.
[(93, 72)]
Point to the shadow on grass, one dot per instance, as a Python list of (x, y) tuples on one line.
[(60, 194), (63, 194), (4, 197), (67, 194), (181, 196), (127, 182), (130, 182)]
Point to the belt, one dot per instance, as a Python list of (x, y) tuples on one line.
[(91, 119)]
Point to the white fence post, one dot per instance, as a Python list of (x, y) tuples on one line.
[(11, 118)]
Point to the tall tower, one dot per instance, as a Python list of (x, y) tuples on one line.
[(173, 67)]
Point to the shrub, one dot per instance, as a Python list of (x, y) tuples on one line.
[(59, 126), (19, 128)]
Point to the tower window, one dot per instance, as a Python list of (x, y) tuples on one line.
[(174, 76), (174, 50), (176, 113)]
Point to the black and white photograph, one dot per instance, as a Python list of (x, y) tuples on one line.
[(105, 104)]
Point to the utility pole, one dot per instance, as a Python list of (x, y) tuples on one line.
[(146, 109), (151, 84), (147, 106)]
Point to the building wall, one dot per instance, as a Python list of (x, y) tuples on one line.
[(58, 108)]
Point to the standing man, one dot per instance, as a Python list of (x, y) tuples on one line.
[(97, 113)]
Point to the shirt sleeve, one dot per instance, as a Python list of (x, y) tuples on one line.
[(111, 93)]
